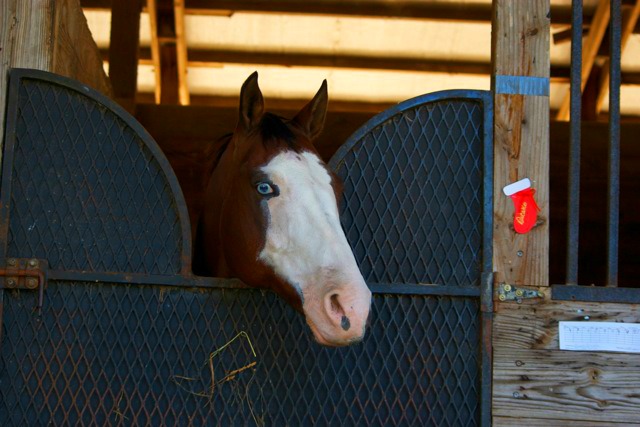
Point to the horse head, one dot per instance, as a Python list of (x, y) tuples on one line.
[(270, 218)]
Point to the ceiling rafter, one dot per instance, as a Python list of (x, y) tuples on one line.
[(213, 57), (449, 11), (169, 51)]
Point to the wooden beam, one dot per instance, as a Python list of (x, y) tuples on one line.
[(155, 47), (431, 10), (181, 51), (123, 51), (630, 16), (520, 48), (214, 57), (166, 31), (590, 48)]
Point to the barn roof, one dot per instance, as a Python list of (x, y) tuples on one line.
[(372, 52)]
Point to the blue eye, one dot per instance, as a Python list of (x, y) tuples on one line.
[(265, 188)]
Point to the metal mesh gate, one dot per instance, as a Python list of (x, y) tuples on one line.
[(126, 334)]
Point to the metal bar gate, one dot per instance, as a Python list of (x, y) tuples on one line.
[(123, 333)]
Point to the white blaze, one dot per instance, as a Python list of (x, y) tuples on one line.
[(304, 238), (305, 245)]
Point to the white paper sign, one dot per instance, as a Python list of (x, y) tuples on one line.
[(600, 336)]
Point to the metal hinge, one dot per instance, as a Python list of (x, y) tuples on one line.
[(25, 273), (508, 292)]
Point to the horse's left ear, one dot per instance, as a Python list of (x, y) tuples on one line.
[(311, 117), (251, 102)]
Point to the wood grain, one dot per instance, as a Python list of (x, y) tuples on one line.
[(534, 380), (521, 139), (519, 422), (75, 53)]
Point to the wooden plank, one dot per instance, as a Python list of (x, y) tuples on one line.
[(535, 422), (590, 48), (280, 104), (123, 51), (630, 16), (533, 379), (521, 139), (181, 51), (206, 123)]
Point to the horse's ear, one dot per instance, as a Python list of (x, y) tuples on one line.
[(311, 117), (251, 102)]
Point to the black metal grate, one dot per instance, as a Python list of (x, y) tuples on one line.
[(413, 209), (87, 193), (104, 354)]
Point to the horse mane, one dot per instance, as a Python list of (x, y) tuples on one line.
[(274, 131)]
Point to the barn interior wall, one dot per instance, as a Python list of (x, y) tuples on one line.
[(185, 133)]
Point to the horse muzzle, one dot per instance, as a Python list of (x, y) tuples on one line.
[(338, 316)]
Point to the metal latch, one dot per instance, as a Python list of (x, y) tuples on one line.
[(25, 273), (508, 292)]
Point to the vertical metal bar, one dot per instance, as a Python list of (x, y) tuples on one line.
[(613, 196), (486, 295), (573, 198)]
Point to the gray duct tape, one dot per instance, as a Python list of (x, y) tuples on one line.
[(521, 85)]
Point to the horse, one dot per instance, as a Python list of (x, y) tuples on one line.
[(270, 218)]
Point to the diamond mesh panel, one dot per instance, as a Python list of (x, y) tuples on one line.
[(413, 196), (87, 194), (138, 355)]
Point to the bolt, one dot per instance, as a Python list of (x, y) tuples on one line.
[(507, 288), (580, 311), (516, 395), (586, 318), (11, 283), (540, 294), (502, 297), (519, 300), (33, 262), (32, 283), (520, 253), (519, 292), (519, 363), (11, 262)]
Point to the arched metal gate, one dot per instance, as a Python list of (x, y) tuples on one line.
[(122, 333)]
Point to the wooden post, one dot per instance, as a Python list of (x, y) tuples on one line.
[(123, 51), (520, 45), (49, 35)]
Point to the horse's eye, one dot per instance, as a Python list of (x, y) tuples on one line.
[(265, 188)]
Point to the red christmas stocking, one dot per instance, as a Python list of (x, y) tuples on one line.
[(526, 209)]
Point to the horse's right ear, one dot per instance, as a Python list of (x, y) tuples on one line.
[(251, 102)]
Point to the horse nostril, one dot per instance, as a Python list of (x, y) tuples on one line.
[(337, 311), (345, 323)]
